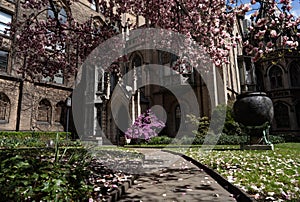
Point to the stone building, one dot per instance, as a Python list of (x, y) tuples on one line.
[(42, 105), (39, 105), (100, 105), (278, 75)]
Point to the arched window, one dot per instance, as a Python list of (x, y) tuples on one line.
[(136, 61), (59, 112), (4, 108), (298, 113), (295, 74), (44, 111), (62, 14), (281, 115), (275, 76), (177, 117)]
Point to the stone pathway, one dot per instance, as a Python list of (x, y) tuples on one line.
[(168, 177)]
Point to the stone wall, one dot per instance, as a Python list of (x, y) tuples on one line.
[(11, 89)]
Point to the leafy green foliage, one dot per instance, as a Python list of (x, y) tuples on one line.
[(58, 174), (160, 140), (230, 133), (35, 139), (230, 126), (34, 134), (276, 139), (202, 123), (31, 174), (199, 140), (69, 174)]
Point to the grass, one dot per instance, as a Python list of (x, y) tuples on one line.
[(266, 175), (216, 147)]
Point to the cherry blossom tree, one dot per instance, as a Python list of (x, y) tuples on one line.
[(48, 39), (145, 127), (211, 23), (48, 45)]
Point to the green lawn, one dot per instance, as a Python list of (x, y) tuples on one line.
[(272, 175)]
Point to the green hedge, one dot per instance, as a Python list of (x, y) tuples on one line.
[(10, 139), (35, 134), (223, 140), (160, 140), (276, 139)]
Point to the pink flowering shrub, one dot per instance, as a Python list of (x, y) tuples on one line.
[(145, 127)]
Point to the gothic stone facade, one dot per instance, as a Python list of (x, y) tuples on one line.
[(28, 105), (279, 76)]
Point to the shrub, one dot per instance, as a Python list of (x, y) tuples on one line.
[(276, 139), (201, 122), (223, 140), (145, 127), (230, 126), (231, 140), (36, 134), (10, 139), (31, 175), (160, 140)]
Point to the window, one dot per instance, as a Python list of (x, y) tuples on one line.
[(62, 15), (102, 81), (281, 115), (59, 77), (3, 60), (93, 5), (295, 74), (5, 19), (59, 112), (275, 76), (60, 44), (137, 61), (44, 111), (177, 117), (4, 108)]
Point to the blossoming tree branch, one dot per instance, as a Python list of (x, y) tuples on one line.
[(49, 44)]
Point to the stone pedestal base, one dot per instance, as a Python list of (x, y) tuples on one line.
[(257, 147)]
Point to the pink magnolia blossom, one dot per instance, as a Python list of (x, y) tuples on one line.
[(273, 33), (209, 23), (145, 127)]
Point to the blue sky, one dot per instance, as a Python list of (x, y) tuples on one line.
[(296, 8), (295, 11)]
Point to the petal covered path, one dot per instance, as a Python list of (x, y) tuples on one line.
[(168, 177)]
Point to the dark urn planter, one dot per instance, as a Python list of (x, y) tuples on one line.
[(253, 109)]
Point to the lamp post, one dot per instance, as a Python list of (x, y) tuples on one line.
[(68, 105)]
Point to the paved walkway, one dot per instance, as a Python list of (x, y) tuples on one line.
[(168, 177)]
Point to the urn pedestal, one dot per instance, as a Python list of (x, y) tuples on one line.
[(254, 112)]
